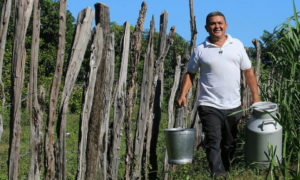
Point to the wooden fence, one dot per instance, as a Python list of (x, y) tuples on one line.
[(96, 138)]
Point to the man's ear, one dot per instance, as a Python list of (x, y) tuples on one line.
[(206, 28)]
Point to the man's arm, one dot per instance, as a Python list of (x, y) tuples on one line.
[(186, 85), (252, 83)]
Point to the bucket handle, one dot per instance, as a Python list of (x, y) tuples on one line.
[(253, 106), (263, 123)]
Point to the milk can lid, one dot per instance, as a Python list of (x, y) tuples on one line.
[(180, 129), (267, 106)]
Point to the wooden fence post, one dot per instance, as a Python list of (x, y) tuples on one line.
[(4, 21), (119, 106), (135, 50), (95, 60), (81, 38), (165, 175), (104, 132), (165, 44), (22, 11), (257, 64), (247, 96), (98, 108), (49, 159), (36, 107), (158, 93), (195, 121), (144, 108), (182, 112), (1, 127), (193, 27)]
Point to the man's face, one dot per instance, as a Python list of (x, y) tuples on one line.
[(216, 27)]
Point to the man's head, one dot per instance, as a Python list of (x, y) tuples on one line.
[(216, 25)]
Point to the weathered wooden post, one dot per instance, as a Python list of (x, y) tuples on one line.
[(192, 46), (5, 15), (95, 60), (195, 121), (22, 11), (171, 110), (158, 96), (193, 26), (164, 45), (81, 38), (247, 96), (36, 107), (135, 50), (257, 64), (150, 138), (144, 108), (104, 132), (182, 112), (49, 159), (119, 106), (97, 112), (1, 127)]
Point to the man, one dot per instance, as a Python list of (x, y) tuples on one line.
[(220, 59)]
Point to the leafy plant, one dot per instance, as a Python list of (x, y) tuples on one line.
[(284, 88)]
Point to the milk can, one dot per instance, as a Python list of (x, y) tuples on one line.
[(180, 145), (262, 129)]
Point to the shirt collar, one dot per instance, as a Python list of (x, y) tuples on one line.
[(228, 41)]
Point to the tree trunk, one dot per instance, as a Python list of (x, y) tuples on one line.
[(135, 49), (95, 60), (22, 11), (4, 21), (171, 111), (98, 108), (81, 38), (144, 108), (257, 64), (182, 113), (49, 161), (36, 110), (119, 106)]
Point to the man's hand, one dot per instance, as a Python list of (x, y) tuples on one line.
[(182, 100)]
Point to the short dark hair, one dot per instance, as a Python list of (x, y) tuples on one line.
[(215, 13)]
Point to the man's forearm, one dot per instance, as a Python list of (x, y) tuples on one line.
[(252, 83), (187, 83)]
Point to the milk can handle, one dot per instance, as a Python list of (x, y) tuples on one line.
[(263, 123)]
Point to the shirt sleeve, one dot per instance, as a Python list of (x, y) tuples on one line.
[(245, 61), (194, 63)]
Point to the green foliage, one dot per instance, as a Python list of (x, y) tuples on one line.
[(47, 48), (285, 90)]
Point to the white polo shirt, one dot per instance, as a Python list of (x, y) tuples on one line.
[(220, 72)]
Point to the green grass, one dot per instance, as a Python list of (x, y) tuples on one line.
[(198, 170)]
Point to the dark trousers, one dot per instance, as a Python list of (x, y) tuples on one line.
[(220, 134)]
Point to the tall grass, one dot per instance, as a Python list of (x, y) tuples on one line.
[(285, 91)]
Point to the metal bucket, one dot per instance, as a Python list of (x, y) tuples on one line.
[(180, 145), (262, 129)]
